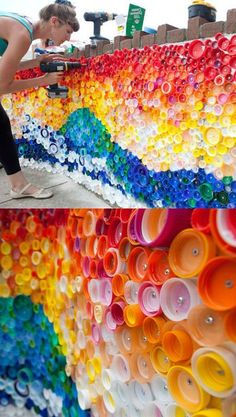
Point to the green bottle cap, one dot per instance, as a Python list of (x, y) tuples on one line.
[(191, 203), (223, 197), (227, 180), (206, 191)]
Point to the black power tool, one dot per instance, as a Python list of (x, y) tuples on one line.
[(55, 90), (203, 9), (98, 18)]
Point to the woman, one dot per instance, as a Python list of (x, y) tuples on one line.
[(57, 22)]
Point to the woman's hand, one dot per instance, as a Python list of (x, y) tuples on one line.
[(50, 58), (51, 78)]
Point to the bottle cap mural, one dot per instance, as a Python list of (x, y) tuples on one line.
[(97, 318)]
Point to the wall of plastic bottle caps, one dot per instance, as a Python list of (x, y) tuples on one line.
[(136, 307), (154, 126), (33, 379)]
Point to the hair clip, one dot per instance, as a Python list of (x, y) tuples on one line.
[(65, 2)]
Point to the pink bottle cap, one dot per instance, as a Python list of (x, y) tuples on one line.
[(85, 266), (110, 323), (157, 228), (106, 293), (96, 333), (149, 299), (117, 312), (177, 297)]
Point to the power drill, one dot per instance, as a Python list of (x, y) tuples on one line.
[(98, 18), (203, 9), (55, 90)]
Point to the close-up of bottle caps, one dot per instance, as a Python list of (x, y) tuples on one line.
[(117, 312), (151, 127)]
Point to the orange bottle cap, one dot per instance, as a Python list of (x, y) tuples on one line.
[(158, 267), (217, 283), (138, 263), (133, 315), (153, 328), (178, 345), (206, 326), (189, 252)]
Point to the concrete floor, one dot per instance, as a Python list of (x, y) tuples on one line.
[(67, 194)]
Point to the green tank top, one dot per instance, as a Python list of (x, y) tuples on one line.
[(22, 19)]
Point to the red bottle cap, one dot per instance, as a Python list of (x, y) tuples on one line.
[(196, 49)]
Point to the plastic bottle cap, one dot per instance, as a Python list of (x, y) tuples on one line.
[(117, 312), (102, 246), (110, 323), (109, 402), (131, 230), (89, 223), (160, 361), (230, 250), (138, 263), (140, 394), (118, 284), (133, 315), (158, 267), (196, 49), (178, 345), (206, 326), (112, 262), (212, 136), (160, 390), (215, 369), (157, 228), (211, 368), (105, 291), (189, 252), (84, 400), (131, 292), (153, 328), (177, 297), (124, 339), (217, 283), (117, 230), (149, 299), (141, 367), (125, 248), (201, 220), (229, 323), (120, 367), (185, 389), (225, 222)]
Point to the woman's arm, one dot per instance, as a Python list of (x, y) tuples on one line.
[(31, 63), (9, 63), (18, 45), (21, 85)]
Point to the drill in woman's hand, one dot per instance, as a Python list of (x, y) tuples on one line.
[(55, 90)]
